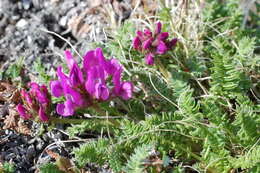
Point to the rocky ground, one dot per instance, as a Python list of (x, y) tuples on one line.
[(23, 25)]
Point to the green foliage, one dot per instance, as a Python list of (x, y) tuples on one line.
[(120, 45), (248, 160), (197, 106), (7, 168), (228, 76), (93, 125), (93, 151), (247, 123), (224, 15), (50, 168), (42, 74), (135, 162), (15, 69)]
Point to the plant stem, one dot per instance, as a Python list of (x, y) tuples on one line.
[(191, 153), (79, 121), (163, 70), (67, 120)]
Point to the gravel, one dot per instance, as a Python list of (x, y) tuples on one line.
[(21, 35)]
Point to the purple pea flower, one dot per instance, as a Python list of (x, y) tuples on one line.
[(162, 36), (149, 59), (148, 33), (161, 48), (152, 44), (95, 84), (36, 103), (56, 88), (122, 89), (85, 87), (147, 43), (76, 75), (172, 43), (22, 111), (69, 59), (42, 114), (158, 28), (137, 43), (66, 108)]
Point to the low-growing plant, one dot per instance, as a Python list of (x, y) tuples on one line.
[(194, 108)]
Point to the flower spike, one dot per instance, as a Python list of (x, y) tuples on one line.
[(85, 87), (152, 44)]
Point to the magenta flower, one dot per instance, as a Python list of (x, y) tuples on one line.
[(86, 86), (137, 43), (149, 59), (95, 84), (36, 103), (152, 44), (158, 28), (161, 48), (22, 111)]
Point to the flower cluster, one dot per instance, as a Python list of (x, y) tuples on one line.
[(85, 86), (152, 44), (36, 103)]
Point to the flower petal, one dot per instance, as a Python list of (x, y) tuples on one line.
[(100, 56), (140, 34), (33, 85), (158, 28), (43, 116), (149, 59), (163, 36), (44, 89), (22, 111), (42, 97), (137, 43), (90, 60), (161, 48), (101, 91), (112, 66), (66, 109), (126, 90), (95, 75), (74, 96), (69, 59), (104, 93), (61, 76), (147, 43), (148, 33), (76, 76), (27, 98), (56, 88), (117, 82), (172, 43)]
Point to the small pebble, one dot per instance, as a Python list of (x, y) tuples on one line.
[(63, 21), (30, 152), (39, 146), (21, 23), (26, 4), (10, 156)]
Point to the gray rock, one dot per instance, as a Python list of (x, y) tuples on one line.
[(21, 23), (30, 152)]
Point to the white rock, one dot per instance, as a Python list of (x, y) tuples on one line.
[(21, 23), (63, 21), (29, 40)]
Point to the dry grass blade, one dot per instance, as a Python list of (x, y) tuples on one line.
[(11, 120), (23, 128), (63, 163), (9, 93), (14, 122)]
